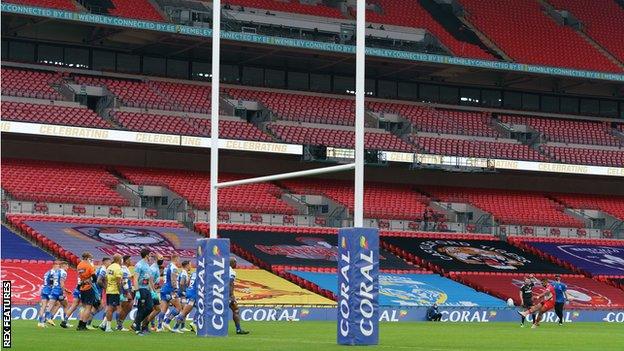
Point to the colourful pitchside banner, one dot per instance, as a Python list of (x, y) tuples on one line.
[(213, 286), (358, 286)]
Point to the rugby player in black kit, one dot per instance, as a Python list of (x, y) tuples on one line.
[(526, 295)]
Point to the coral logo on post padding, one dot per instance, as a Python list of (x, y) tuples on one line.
[(363, 242), (216, 251)]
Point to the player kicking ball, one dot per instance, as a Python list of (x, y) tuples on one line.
[(547, 304)]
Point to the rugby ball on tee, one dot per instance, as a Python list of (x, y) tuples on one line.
[(510, 302)]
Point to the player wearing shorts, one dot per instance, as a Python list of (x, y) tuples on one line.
[(169, 293), (561, 296), (143, 283), (72, 308), (86, 273), (547, 304), (46, 289), (57, 297), (526, 296), (113, 289), (191, 295), (233, 302), (155, 270), (98, 288), (125, 297)]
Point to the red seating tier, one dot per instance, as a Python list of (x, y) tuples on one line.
[(293, 6), (52, 114), (195, 186), (603, 21), (155, 123), (477, 148), (524, 32), (510, 207), (507, 286), (614, 205), (596, 157), (228, 129), (411, 14), (428, 119), (52, 4), (338, 138), (133, 93), (32, 84), (381, 201), (139, 9), (300, 107), (567, 131), (60, 182), (186, 97)]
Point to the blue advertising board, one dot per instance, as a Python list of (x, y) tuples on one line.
[(213, 286), (414, 290), (386, 314), (358, 286)]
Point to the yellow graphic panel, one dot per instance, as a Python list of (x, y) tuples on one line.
[(259, 287)]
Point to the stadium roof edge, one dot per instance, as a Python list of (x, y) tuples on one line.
[(306, 44)]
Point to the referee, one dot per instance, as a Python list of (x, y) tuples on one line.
[(526, 296)]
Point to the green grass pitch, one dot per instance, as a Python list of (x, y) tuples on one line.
[(321, 336)]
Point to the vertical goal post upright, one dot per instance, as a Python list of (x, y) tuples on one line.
[(357, 165)]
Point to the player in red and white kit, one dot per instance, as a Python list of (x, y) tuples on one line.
[(547, 303)]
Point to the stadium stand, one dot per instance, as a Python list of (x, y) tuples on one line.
[(139, 9), (231, 129), (337, 137), (525, 33), (400, 290), (60, 182), (25, 276), (154, 123), (386, 201), (567, 131), (509, 207), (302, 107), (187, 97), (411, 14), (583, 156), (52, 114), (613, 205), (132, 93), (600, 21), (511, 150), (293, 6), (15, 247), (195, 186), (438, 120), (68, 237), (30, 83), (52, 4), (587, 293)]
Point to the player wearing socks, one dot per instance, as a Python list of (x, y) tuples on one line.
[(86, 273), (561, 296), (125, 297), (169, 293), (144, 284), (526, 296), (46, 290), (113, 288), (155, 270), (57, 297), (233, 303), (547, 304), (190, 303), (72, 308)]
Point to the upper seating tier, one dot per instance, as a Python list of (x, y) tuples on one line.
[(526, 33), (477, 148), (52, 114), (30, 84)]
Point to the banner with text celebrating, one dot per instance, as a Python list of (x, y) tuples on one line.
[(358, 286), (213, 286)]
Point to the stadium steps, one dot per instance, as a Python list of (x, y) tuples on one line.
[(464, 17), (579, 30)]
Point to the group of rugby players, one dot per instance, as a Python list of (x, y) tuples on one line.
[(555, 296), (161, 293)]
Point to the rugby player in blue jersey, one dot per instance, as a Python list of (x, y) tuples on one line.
[(191, 295), (143, 284), (46, 289), (169, 292), (57, 295)]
